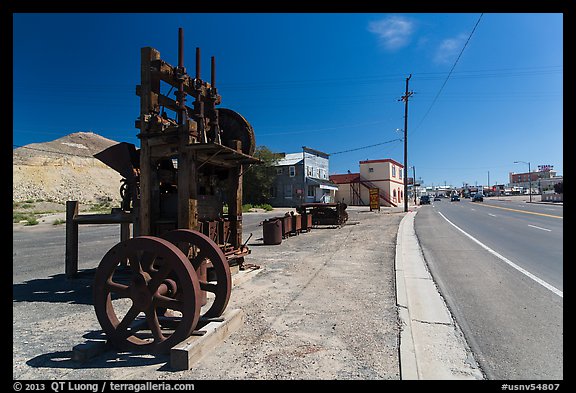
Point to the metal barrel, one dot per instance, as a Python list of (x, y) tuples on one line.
[(272, 231)]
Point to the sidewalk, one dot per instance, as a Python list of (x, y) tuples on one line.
[(431, 343)]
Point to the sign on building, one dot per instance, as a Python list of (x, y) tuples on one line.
[(374, 199)]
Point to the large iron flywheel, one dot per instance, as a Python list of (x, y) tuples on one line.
[(152, 304), (235, 127), (200, 249)]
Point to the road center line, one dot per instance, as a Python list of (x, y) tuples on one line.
[(544, 229), (522, 211), (509, 262)]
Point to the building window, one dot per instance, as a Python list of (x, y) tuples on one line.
[(279, 171), (311, 191), (309, 171), (292, 170), (393, 171), (273, 192), (287, 190), (319, 173), (400, 173), (370, 170)]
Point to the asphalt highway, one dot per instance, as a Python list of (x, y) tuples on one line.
[(499, 266)]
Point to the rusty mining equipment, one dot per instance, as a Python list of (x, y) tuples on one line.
[(152, 290)]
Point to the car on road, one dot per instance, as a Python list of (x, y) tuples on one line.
[(437, 198), (425, 200), (478, 197), (454, 198)]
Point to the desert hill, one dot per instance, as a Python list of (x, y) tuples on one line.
[(65, 169)]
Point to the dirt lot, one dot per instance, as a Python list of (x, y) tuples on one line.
[(322, 307)]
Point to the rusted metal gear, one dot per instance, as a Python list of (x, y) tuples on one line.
[(130, 302), (235, 127), (201, 249)]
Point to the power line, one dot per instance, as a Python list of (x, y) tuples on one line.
[(450, 73), (366, 147)]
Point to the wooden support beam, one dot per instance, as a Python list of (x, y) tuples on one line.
[(149, 84), (187, 184), (235, 200), (185, 354), (71, 258)]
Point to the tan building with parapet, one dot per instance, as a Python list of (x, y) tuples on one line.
[(386, 174)]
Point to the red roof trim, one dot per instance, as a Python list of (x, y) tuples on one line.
[(382, 160)]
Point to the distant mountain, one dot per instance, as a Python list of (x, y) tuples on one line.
[(65, 169)]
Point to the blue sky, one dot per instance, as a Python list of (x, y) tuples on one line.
[(327, 81)]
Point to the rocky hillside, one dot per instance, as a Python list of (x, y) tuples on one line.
[(64, 169)]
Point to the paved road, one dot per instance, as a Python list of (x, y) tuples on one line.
[(38, 251), (508, 300)]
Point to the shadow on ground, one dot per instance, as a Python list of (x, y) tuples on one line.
[(110, 358)]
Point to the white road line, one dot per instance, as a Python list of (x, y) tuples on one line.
[(509, 262), (493, 215), (544, 229)]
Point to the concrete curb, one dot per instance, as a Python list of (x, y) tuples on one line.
[(431, 344)]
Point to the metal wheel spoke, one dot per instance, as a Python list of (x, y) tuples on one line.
[(208, 287), (121, 290), (122, 328), (134, 263), (147, 261), (154, 324), (158, 277), (169, 303)]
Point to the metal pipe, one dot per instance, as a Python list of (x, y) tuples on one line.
[(198, 63), (180, 47), (181, 95), (213, 73)]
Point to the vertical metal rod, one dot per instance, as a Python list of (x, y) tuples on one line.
[(180, 47), (198, 63), (181, 72), (213, 73)]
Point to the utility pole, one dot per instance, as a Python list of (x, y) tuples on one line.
[(488, 181), (405, 98), (414, 182)]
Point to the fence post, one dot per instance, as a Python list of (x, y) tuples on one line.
[(71, 259)]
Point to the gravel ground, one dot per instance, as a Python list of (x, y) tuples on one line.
[(323, 307)]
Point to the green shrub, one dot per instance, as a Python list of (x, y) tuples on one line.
[(32, 221), (246, 208)]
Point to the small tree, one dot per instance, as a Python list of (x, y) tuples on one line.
[(258, 179), (559, 188)]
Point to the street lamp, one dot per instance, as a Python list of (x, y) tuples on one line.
[(529, 177)]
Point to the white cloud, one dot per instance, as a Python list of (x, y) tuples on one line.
[(449, 49), (393, 32)]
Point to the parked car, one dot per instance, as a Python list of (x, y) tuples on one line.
[(478, 197), (437, 198), (454, 198), (425, 200)]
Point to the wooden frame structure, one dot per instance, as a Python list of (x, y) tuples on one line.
[(188, 167)]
